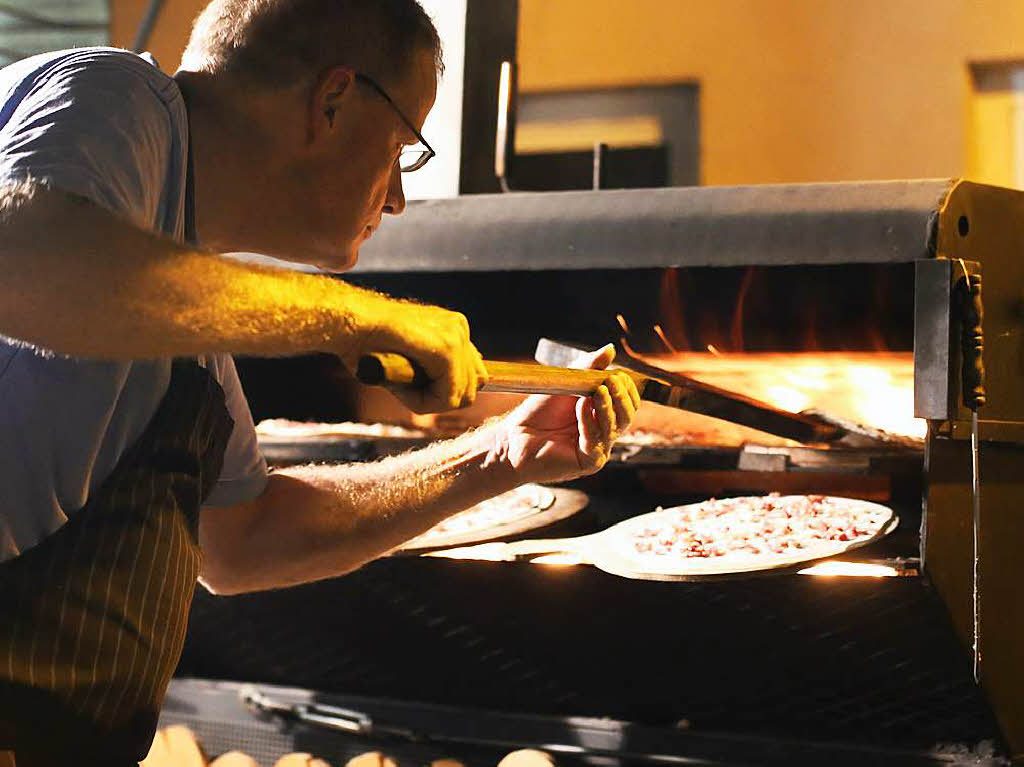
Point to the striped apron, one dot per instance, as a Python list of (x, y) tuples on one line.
[(93, 618)]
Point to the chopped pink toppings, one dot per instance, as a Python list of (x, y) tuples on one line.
[(758, 525)]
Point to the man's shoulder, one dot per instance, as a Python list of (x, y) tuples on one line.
[(99, 123), (95, 66)]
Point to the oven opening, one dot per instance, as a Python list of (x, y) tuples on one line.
[(835, 339)]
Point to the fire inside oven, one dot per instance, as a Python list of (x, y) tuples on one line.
[(838, 337)]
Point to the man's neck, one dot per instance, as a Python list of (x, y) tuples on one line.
[(222, 159)]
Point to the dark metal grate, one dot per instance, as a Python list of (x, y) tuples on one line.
[(856, 660)]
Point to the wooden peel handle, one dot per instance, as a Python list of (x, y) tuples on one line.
[(530, 378), (540, 546), (386, 369)]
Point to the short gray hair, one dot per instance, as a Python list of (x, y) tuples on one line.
[(281, 42)]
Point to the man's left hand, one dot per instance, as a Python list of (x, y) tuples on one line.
[(556, 438)]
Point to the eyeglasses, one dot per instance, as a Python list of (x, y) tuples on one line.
[(411, 157)]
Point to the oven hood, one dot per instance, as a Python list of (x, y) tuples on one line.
[(835, 223)]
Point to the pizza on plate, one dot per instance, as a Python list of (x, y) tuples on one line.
[(753, 532)]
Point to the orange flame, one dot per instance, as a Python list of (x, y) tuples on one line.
[(628, 349), (664, 340), (736, 333), (670, 309)]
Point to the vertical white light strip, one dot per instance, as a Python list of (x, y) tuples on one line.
[(443, 128), (501, 134)]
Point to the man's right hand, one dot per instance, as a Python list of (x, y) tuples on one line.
[(435, 339)]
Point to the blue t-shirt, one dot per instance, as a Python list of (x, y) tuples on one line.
[(109, 126)]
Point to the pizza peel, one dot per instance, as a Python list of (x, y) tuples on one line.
[(610, 550)]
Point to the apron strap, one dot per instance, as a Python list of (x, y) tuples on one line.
[(191, 235)]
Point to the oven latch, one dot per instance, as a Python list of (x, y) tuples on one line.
[(320, 714), (972, 363), (948, 348)]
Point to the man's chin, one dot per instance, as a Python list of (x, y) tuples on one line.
[(341, 261), (333, 261)]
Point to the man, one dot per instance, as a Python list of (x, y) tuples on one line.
[(285, 132)]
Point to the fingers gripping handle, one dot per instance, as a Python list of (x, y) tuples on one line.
[(388, 369)]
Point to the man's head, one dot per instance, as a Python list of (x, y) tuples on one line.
[(328, 92)]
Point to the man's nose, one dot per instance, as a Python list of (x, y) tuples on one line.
[(394, 204)]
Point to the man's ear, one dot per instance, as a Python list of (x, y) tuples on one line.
[(330, 90)]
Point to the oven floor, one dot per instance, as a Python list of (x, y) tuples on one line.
[(873, 662)]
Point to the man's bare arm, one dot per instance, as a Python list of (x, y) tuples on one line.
[(315, 522), (79, 280), (320, 521)]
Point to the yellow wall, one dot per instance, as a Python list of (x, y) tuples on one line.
[(169, 35), (791, 90)]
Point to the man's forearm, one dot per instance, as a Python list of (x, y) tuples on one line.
[(316, 522), (78, 280)]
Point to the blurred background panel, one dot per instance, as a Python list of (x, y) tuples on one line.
[(652, 135), (28, 27), (995, 130)]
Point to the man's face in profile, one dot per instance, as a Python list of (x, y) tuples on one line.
[(357, 178)]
